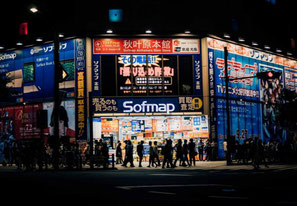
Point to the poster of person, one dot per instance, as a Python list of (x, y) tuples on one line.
[(66, 119)]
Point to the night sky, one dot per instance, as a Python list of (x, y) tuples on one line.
[(255, 20)]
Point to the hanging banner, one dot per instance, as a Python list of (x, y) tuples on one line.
[(81, 89)]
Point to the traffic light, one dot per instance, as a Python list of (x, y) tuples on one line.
[(268, 75)]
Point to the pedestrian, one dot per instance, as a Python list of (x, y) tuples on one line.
[(129, 154), (151, 155), (168, 154), (119, 154), (140, 152), (185, 153), (156, 153), (179, 152), (200, 150), (208, 150), (105, 155), (192, 152)]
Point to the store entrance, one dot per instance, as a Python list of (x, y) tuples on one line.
[(157, 129)]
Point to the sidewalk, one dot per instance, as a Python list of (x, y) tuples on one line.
[(200, 165)]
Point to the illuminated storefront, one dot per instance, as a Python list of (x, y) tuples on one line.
[(149, 119), (147, 89)]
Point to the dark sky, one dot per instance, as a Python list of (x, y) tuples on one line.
[(253, 19)]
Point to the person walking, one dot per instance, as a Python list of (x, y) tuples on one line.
[(168, 154), (192, 152), (179, 152), (129, 154), (105, 155), (140, 152), (185, 153), (156, 153), (119, 154), (200, 150), (151, 155)]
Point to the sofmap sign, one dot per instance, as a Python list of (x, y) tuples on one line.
[(147, 105)]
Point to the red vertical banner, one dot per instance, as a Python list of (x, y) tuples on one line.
[(23, 29)]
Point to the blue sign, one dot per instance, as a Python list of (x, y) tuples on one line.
[(147, 105), (32, 70), (246, 95)]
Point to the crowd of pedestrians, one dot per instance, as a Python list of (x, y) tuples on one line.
[(255, 152), (184, 152), (34, 154)]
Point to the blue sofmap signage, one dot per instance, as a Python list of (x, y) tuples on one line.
[(31, 71), (147, 105)]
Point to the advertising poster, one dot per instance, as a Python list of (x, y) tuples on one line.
[(80, 89), (247, 113), (146, 74), (18, 123), (252, 101), (291, 79), (97, 128), (66, 119), (31, 71)]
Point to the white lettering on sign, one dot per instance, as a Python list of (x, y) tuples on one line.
[(129, 107), (7, 56)]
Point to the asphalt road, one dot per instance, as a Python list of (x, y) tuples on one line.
[(134, 186)]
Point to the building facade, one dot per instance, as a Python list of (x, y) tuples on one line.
[(149, 89)]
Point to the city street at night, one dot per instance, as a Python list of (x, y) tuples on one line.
[(98, 97), (207, 183)]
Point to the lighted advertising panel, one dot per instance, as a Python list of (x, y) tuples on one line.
[(164, 105), (146, 66), (252, 113), (32, 71)]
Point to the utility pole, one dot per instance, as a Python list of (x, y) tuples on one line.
[(57, 75), (229, 146)]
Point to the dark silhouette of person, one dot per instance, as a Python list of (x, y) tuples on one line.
[(185, 153), (179, 152), (200, 150), (119, 155), (105, 155), (156, 153), (129, 154), (140, 152), (192, 152), (168, 154), (151, 155)]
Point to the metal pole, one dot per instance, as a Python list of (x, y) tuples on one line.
[(228, 154), (56, 145), (91, 129)]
